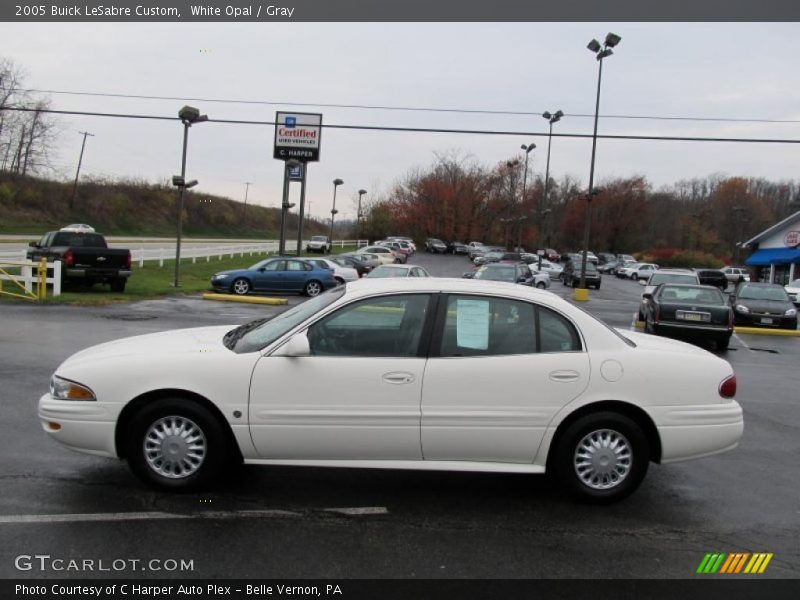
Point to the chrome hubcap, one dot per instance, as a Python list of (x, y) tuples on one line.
[(241, 287), (313, 289), (603, 459), (174, 447)]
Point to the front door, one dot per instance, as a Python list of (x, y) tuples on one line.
[(357, 396)]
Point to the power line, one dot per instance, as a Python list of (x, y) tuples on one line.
[(666, 138), (409, 108)]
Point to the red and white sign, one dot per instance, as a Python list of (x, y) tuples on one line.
[(791, 239), (297, 135)]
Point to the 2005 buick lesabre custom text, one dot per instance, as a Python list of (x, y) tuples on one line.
[(410, 374)]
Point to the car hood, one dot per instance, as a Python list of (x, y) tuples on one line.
[(776, 307), (167, 343)]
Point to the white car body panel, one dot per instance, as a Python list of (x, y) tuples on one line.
[(340, 411), (346, 274)]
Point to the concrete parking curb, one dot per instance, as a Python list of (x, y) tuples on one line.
[(246, 299), (749, 330)]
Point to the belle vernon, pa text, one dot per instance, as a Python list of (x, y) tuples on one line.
[(176, 590)]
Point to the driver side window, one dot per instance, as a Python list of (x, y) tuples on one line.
[(385, 326)]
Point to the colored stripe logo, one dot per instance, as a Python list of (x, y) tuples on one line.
[(734, 563)]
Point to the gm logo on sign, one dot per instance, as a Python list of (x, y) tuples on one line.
[(734, 563), (291, 122)]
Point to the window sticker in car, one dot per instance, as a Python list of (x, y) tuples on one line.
[(472, 324)]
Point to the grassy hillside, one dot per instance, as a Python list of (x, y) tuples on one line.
[(29, 205)]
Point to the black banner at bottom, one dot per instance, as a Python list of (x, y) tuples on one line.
[(397, 589)]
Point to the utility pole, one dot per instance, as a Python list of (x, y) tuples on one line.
[(246, 189), (78, 172)]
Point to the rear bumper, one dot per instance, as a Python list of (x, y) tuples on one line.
[(79, 273), (689, 432), (691, 330)]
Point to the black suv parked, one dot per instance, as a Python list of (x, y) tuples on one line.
[(571, 275)]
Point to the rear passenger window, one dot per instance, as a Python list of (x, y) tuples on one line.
[(479, 326), (556, 334)]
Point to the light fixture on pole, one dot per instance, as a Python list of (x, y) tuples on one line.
[(359, 215), (188, 115), (336, 183), (527, 149), (551, 118), (601, 52)]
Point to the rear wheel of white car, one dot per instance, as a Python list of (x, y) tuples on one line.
[(602, 457), (240, 286), (177, 445), (541, 285)]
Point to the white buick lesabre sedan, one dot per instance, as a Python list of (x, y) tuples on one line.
[(421, 373)]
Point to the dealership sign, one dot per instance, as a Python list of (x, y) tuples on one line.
[(297, 135), (791, 239)]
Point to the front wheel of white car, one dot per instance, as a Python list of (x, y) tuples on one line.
[(602, 457), (176, 445)]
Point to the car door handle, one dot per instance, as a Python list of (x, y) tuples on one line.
[(564, 376), (398, 378)]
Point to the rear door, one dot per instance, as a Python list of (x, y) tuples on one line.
[(499, 370)]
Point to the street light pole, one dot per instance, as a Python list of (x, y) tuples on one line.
[(336, 183), (601, 52), (551, 118), (358, 216), (527, 149), (188, 115)]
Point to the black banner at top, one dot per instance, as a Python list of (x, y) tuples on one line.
[(398, 10)]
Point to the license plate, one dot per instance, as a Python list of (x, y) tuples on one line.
[(765, 321), (693, 316)]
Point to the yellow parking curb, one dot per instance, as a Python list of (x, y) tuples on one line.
[(246, 299), (580, 294), (750, 330), (761, 331)]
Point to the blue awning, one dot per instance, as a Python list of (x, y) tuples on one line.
[(773, 256)]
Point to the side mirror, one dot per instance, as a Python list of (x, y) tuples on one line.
[(297, 346), (642, 282)]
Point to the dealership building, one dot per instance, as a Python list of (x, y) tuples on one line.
[(775, 255)]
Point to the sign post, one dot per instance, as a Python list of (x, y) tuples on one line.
[(297, 142)]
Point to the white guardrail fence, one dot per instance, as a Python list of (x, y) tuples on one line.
[(24, 281)]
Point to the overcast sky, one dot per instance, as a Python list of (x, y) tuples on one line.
[(669, 70)]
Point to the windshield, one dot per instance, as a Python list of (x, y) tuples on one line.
[(319, 238), (256, 335), (693, 295), (497, 274), (387, 271), (672, 278), (750, 292)]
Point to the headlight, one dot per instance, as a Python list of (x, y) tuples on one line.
[(742, 309), (220, 276), (790, 313), (63, 389)]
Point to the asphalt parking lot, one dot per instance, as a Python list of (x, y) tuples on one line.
[(287, 522)]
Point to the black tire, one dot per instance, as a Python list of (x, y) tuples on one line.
[(591, 479), (648, 327), (339, 281), (204, 458), (640, 316), (541, 285), (635, 277), (313, 288), (723, 343), (240, 286), (118, 284)]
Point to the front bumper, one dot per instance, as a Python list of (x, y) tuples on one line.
[(689, 432), (86, 427), (758, 320)]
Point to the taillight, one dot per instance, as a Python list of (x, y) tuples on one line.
[(128, 260), (69, 258), (727, 389)]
